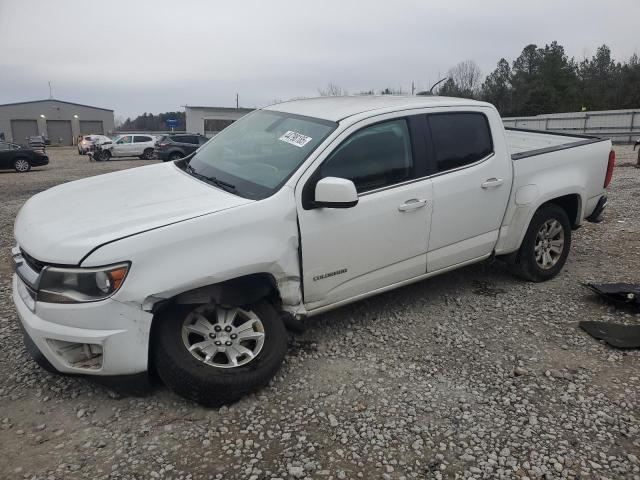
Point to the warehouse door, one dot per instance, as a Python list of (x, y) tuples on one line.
[(87, 127), (22, 130), (59, 132)]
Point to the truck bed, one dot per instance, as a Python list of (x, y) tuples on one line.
[(526, 143)]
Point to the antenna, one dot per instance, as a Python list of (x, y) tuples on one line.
[(50, 91), (435, 84)]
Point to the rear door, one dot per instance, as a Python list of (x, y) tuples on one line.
[(140, 144), (383, 239), (471, 186)]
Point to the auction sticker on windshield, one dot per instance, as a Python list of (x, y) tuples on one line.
[(295, 138)]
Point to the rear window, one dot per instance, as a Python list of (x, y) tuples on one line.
[(459, 139), (185, 139)]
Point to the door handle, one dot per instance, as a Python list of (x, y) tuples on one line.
[(492, 182), (412, 204)]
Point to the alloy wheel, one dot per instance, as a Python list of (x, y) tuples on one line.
[(22, 165), (549, 244), (223, 337)]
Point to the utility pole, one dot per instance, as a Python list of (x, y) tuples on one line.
[(236, 100), (413, 87), (50, 91)]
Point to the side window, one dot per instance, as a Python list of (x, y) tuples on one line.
[(140, 139), (459, 139), (373, 157), (125, 139)]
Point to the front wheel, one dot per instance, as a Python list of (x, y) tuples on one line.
[(175, 156), (103, 155), (545, 246), (216, 355), (21, 165)]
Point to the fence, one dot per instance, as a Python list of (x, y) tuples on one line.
[(621, 126)]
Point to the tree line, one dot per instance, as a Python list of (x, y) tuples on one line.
[(541, 80), (545, 80), (148, 122)]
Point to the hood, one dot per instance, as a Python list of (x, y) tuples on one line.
[(63, 224)]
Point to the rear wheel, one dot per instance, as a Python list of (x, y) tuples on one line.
[(21, 165), (546, 245), (216, 355), (147, 155)]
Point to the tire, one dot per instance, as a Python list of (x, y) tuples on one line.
[(147, 154), (206, 384), (530, 263), (103, 156), (175, 156), (21, 165)]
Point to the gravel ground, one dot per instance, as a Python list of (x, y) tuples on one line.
[(471, 374)]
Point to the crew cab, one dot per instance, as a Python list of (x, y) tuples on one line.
[(293, 210)]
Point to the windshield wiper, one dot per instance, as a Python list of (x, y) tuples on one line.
[(212, 180)]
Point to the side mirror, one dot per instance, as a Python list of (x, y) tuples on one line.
[(333, 192)]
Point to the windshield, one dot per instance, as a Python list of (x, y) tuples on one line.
[(254, 156)]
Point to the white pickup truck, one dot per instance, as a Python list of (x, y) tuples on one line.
[(197, 267)]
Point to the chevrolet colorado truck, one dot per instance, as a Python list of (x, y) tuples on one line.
[(196, 268)]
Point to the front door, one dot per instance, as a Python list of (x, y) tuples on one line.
[(383, 239), (123, 147)]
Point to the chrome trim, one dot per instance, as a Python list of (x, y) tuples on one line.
[(29, 276), (414, 180)]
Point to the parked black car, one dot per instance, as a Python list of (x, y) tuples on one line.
[(179, 145), (21, 159)]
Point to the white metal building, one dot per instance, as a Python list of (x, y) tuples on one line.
[(210, 120), (621, 126), (61, 121)]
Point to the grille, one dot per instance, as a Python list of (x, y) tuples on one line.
[(36, 265)]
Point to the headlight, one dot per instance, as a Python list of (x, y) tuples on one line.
[(78, 285)]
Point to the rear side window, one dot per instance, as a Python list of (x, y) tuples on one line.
[(141, 139), (459, 139), (374, 157), (184, 139)]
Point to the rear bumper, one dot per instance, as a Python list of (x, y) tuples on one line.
[(597, 214), (161, 155)]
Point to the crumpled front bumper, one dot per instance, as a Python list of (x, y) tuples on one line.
[(60, 333)]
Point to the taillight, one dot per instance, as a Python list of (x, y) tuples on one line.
[(610, 165), (163, 144)]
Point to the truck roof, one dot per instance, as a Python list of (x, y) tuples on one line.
[(339, 108)]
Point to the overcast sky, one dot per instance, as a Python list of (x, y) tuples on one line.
[(134, 56)]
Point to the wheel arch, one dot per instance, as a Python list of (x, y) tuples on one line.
[(233, 292), (571, 204)]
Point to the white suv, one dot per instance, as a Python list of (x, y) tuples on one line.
[(87, 141), (132, 146)]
